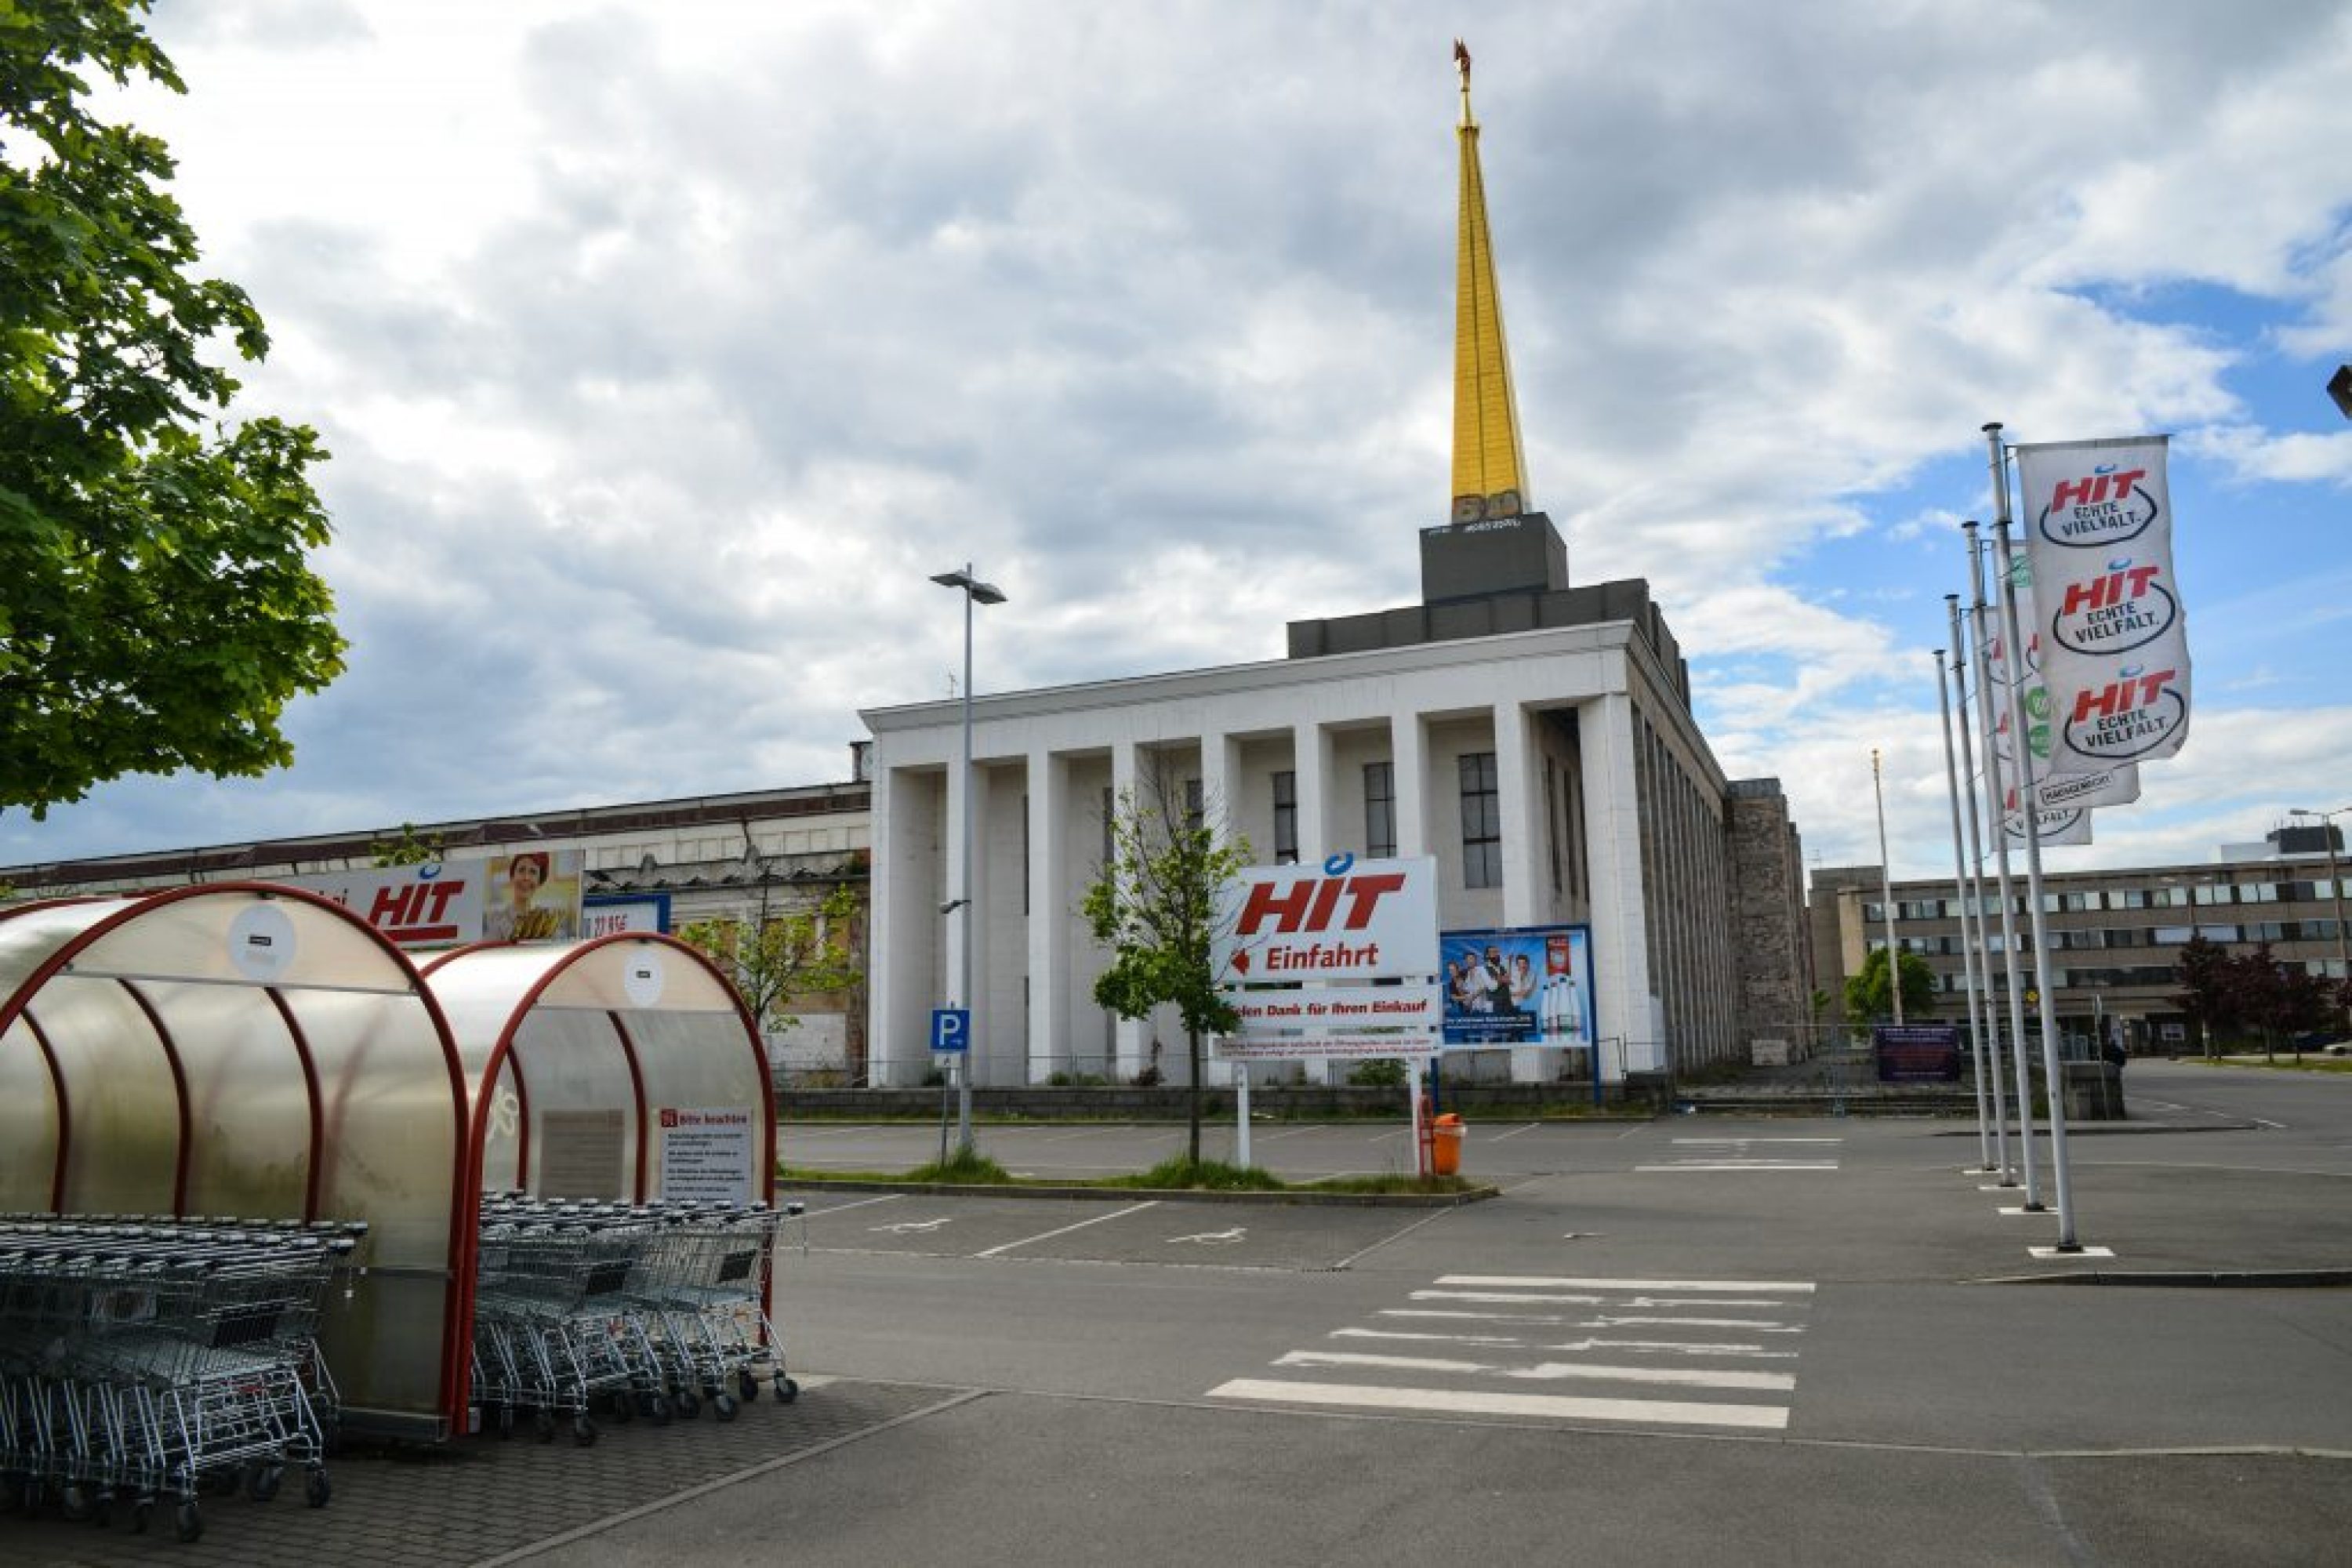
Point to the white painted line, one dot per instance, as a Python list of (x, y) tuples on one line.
[(1756, 1324), (1048, 1236), (1514, 1132), (1555, 1371), (1710, 1301), (1717, 1287), (1484, 1317), (1671, 1347), (1501, 1297), (1426, 1339), (1759, 1139), (2021, 1209), (1999, 1187), (1742, 1166), (857, 1204), (913, 1227), (1550, 1406), (2061, 1253)]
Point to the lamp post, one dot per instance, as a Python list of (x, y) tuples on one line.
[(974, 592), (2335, 888)]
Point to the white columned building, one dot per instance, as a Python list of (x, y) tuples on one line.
[(1318, 754)]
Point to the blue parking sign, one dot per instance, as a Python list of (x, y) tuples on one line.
[(950, 1028)]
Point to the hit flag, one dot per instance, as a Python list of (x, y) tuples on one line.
[(2115, 644)]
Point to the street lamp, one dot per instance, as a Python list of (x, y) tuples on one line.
[(975, 592), (2335, 888)]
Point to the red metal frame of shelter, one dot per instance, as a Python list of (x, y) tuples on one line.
[(456, 1324)]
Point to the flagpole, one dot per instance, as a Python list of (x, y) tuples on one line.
[(2029, 807), (1972, 890), (1994, 807), (1960, 892), (1887, 895)]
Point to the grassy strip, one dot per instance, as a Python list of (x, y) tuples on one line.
[(2309, 1063), (1176, 1174)]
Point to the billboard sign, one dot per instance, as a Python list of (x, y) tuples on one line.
[(1517, 986), (533, 895), (1334, 1021), (1916, 1053), (1346, 920), (608, 915)]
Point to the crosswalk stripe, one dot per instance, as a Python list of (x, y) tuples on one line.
[(1553, 1371), (1553, 1406), (1551, 1282)]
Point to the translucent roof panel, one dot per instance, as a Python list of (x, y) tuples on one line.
[(256, 1052)]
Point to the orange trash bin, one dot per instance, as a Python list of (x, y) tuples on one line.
[(1445, 1145)]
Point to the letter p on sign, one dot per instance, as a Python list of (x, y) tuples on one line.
[(950, 1028)]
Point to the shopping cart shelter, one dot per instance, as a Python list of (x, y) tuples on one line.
[(254, 1052)]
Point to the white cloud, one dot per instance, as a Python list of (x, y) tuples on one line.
[(667, 351)]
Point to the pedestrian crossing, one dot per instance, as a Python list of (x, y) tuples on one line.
[(1651, 1352), (1746, 1155)]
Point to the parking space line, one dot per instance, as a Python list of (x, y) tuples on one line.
[(857, 1204), (1551, 1406), (1514, 1132), (1065, 1230)]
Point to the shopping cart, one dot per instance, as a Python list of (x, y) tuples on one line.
[(629, 1309), (145, 1358)]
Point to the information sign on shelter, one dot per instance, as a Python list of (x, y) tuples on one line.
[(705, 1154)]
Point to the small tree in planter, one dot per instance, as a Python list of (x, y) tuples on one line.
[(1153, 904)]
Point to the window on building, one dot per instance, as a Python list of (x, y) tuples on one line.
[(1551, 814), (1380, 810), (1193, 808), (2127, 899), (1110, 809), (1285, 819), (1482, 821), (2208, 893)]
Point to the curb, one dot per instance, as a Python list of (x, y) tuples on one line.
[(1165, 1194), (2224, 1279)]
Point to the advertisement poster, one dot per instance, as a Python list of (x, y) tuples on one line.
[(1522, 986), (1916, 1053), (533, 895), (446, 903)]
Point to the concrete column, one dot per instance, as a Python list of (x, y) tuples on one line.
[(1519, 796), (1310, 761), (910, 885), (1131, 1038), (1409, 758), (997, 1038), (1612, 835), (1218, 768), (1050, 899)]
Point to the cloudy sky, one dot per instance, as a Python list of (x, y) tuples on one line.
[(665, 349)]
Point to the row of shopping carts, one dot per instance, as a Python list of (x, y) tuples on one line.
[(144, 1358), (627, 1310)]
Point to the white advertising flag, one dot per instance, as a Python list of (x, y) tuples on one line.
[(2114, 635), (2058, 782)]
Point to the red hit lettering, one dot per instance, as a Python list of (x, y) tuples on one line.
[(1287, 910), (440, 895), (1326, 898), (2107, 701), (1366, 891), (393, 906), (2092, 595)]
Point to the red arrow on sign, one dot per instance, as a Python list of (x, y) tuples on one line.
[(1241, 962)]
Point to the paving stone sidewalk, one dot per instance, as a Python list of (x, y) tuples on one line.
[(474, 1500)]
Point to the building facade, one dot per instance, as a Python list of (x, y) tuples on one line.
[(2115, 936)]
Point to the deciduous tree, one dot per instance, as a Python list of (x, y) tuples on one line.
[(157, 606)]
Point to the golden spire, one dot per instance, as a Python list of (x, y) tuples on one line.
[(1490, 468)]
